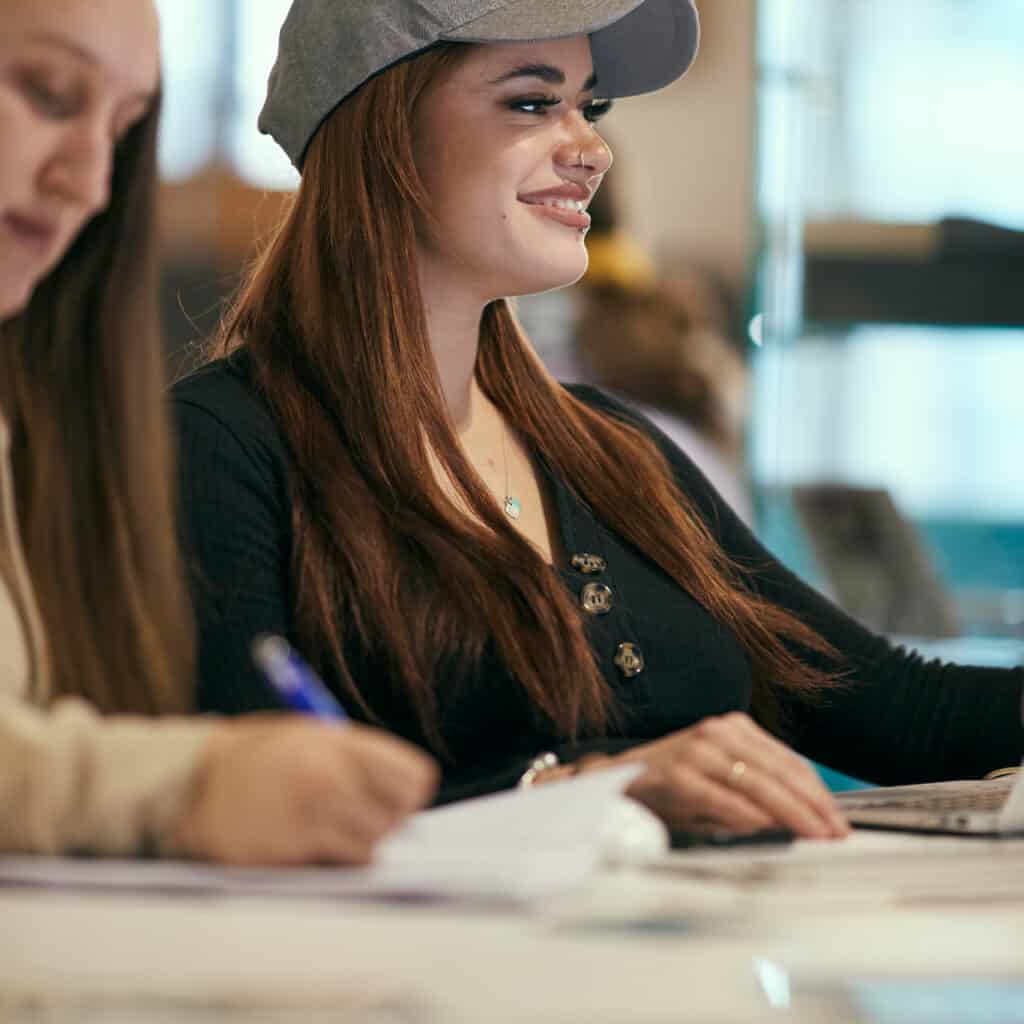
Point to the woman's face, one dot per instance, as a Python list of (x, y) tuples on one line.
[(75, 76), (507, 147)]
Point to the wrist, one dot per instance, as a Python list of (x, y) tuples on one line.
[(546, 767), (188, 839), (556, 774), (539, 769)]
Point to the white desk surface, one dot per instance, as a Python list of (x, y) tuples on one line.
[(671, 944)]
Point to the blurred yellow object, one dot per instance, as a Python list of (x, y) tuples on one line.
[(618, 260)]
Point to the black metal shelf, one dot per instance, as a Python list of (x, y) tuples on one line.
[(963, 291)]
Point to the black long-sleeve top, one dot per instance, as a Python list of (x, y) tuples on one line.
[(898, 718)]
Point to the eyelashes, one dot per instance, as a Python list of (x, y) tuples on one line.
[(48, 99), (59, 97), (54, 93), (597, 109), (538, 106)]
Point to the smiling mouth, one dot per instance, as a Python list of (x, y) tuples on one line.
[(560, 204), (570, 212)]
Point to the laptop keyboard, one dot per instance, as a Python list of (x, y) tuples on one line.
[(939, 797), (990, 801)]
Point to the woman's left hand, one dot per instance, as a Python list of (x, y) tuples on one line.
[(726, 772)]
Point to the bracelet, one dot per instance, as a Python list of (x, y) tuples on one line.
[(548, 763), (542, 763)]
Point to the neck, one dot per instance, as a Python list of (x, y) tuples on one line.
[(453, 324)]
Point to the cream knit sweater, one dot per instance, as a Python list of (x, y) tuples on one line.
[(71, 780)]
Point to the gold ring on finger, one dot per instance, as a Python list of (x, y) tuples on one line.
[(737, 771)]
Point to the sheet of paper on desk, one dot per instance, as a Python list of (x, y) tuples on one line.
[(514, 847)]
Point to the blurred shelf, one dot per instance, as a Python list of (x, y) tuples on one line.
[(216, 213), (958, 272), (983, 292)]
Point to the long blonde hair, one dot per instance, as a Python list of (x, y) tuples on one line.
[(82, 383)]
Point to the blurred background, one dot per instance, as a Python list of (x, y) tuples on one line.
[(808, 267)]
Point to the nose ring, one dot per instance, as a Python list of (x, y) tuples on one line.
[(580, 162)]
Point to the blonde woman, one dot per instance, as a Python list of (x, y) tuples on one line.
[(96, 646)]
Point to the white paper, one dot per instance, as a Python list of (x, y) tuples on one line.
[(515, 846)]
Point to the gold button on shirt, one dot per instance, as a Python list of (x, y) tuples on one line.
[(597, 599), (629, 660), (589, 564)]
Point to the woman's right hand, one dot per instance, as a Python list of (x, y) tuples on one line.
[(286, 791)]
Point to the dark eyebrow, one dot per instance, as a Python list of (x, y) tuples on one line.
[(545, 72), (84, 55), (52, 39)]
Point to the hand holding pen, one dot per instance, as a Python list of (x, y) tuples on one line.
[(304, 788)]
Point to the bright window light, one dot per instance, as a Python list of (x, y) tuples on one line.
[(192, 64), (256, 157)]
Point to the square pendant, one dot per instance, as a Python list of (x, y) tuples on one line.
[(512, 507)]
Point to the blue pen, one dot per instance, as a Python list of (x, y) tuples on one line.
[(295, 681)]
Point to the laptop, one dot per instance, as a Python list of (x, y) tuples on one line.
[(992, 807)]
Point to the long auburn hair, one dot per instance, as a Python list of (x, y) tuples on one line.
[(83, 385), (333, 318)]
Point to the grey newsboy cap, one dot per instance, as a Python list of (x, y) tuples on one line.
[(328, 48)]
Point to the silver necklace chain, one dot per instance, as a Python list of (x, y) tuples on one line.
[(512, 506)]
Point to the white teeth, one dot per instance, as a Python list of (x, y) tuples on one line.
[(576, 205)]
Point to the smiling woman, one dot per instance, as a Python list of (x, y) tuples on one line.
[(375, 463), (94, 614)]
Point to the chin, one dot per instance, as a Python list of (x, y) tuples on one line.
[(14, 298), (549, 277)]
